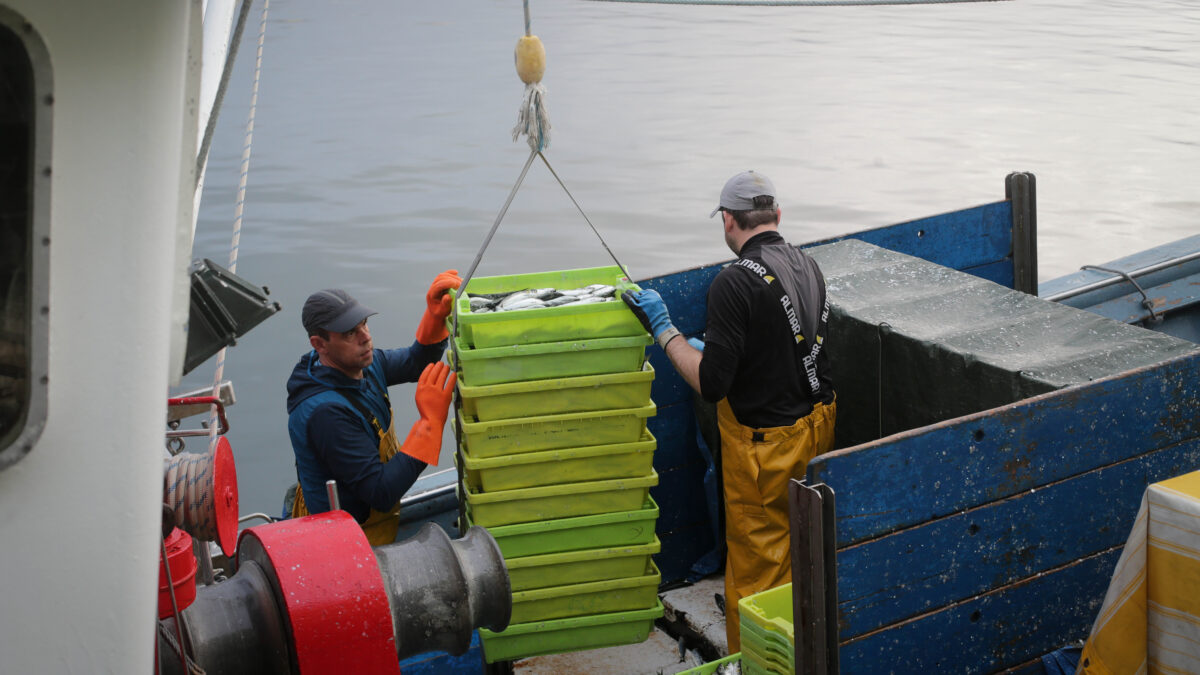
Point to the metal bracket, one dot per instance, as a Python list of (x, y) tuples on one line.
[(205, 401), (814, 577)]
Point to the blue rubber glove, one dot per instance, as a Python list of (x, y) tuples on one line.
[(697, 343), (649, 308)]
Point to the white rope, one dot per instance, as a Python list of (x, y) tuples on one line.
[(188, 490), (239, 209), (533, 119)]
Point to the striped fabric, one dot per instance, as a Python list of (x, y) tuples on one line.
[(1150, 619)]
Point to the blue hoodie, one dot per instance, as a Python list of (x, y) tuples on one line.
[(332, 440)]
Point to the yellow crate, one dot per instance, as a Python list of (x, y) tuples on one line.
[(565, 465), (548, 432), (527, 505), (593, 564), (557, 395), (593, 597), (522, 363), (547, 324)]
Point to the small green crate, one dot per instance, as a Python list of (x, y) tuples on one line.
[(569, 635), (770, 610), (606, 530), (576, 567), (522, 363), (526, 505), (556, 395), (712, 666), (566, 465), (548, 432), (593, 597), (547, 324)]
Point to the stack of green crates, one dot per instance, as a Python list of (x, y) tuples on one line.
[(556, 461), (768, 637)]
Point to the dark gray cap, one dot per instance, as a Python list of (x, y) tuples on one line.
[(333, 310), (739, 192)]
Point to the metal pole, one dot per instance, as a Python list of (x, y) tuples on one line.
[(335, 504)]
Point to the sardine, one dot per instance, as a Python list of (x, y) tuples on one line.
[(544, 293), (592, 299), (479, 302), (561, 300), (519, 296), (576, 292), (526, 303), (602, 290)]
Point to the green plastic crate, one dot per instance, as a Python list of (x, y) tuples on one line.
[(769, 651), (769, 610), (569, 635), (577, 567), (522, 363), (547, 324), (526, 505), (606, 530), (711, 667), (556, 395), (593, 597), (565, 465), (549, 432)]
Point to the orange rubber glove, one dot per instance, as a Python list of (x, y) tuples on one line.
[(432, 328), (434, 390)]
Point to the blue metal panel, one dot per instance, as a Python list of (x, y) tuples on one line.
[(900, 575), (674, 428), (1007, 627), (960, 240), (945, 468), (441, 663), (680, 549), (1000, 272), (681, 485)]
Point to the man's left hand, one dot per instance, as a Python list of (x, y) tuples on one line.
[(649, 308)]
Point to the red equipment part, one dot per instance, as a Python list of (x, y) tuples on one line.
[(182, 563), (225, 496), (327, 578)]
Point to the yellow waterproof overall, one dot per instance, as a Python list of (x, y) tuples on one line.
[(380, 528), (757, 464)]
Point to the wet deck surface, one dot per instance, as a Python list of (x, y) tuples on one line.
[(691, 615)]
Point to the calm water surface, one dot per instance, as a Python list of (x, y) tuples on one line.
[(382, 147)]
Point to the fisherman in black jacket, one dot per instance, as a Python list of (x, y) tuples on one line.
[(763, 361)]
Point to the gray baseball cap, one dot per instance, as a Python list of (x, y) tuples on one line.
[(739, 192), (333, 310)]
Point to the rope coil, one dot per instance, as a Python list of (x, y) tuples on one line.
[(188, 490)]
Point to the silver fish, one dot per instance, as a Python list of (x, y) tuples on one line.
[(478, 303), (519, 296), (591, 299), (602, 290), (526, 303), (544, 293), (576, 292), (561, 300)]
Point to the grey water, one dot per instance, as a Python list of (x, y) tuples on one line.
[(382, 149)]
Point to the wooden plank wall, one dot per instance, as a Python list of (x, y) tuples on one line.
[(976, 240), (983, 542)]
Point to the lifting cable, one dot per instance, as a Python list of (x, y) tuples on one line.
[(532, 120)]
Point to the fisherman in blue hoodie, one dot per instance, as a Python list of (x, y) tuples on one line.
[(340, 417)]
